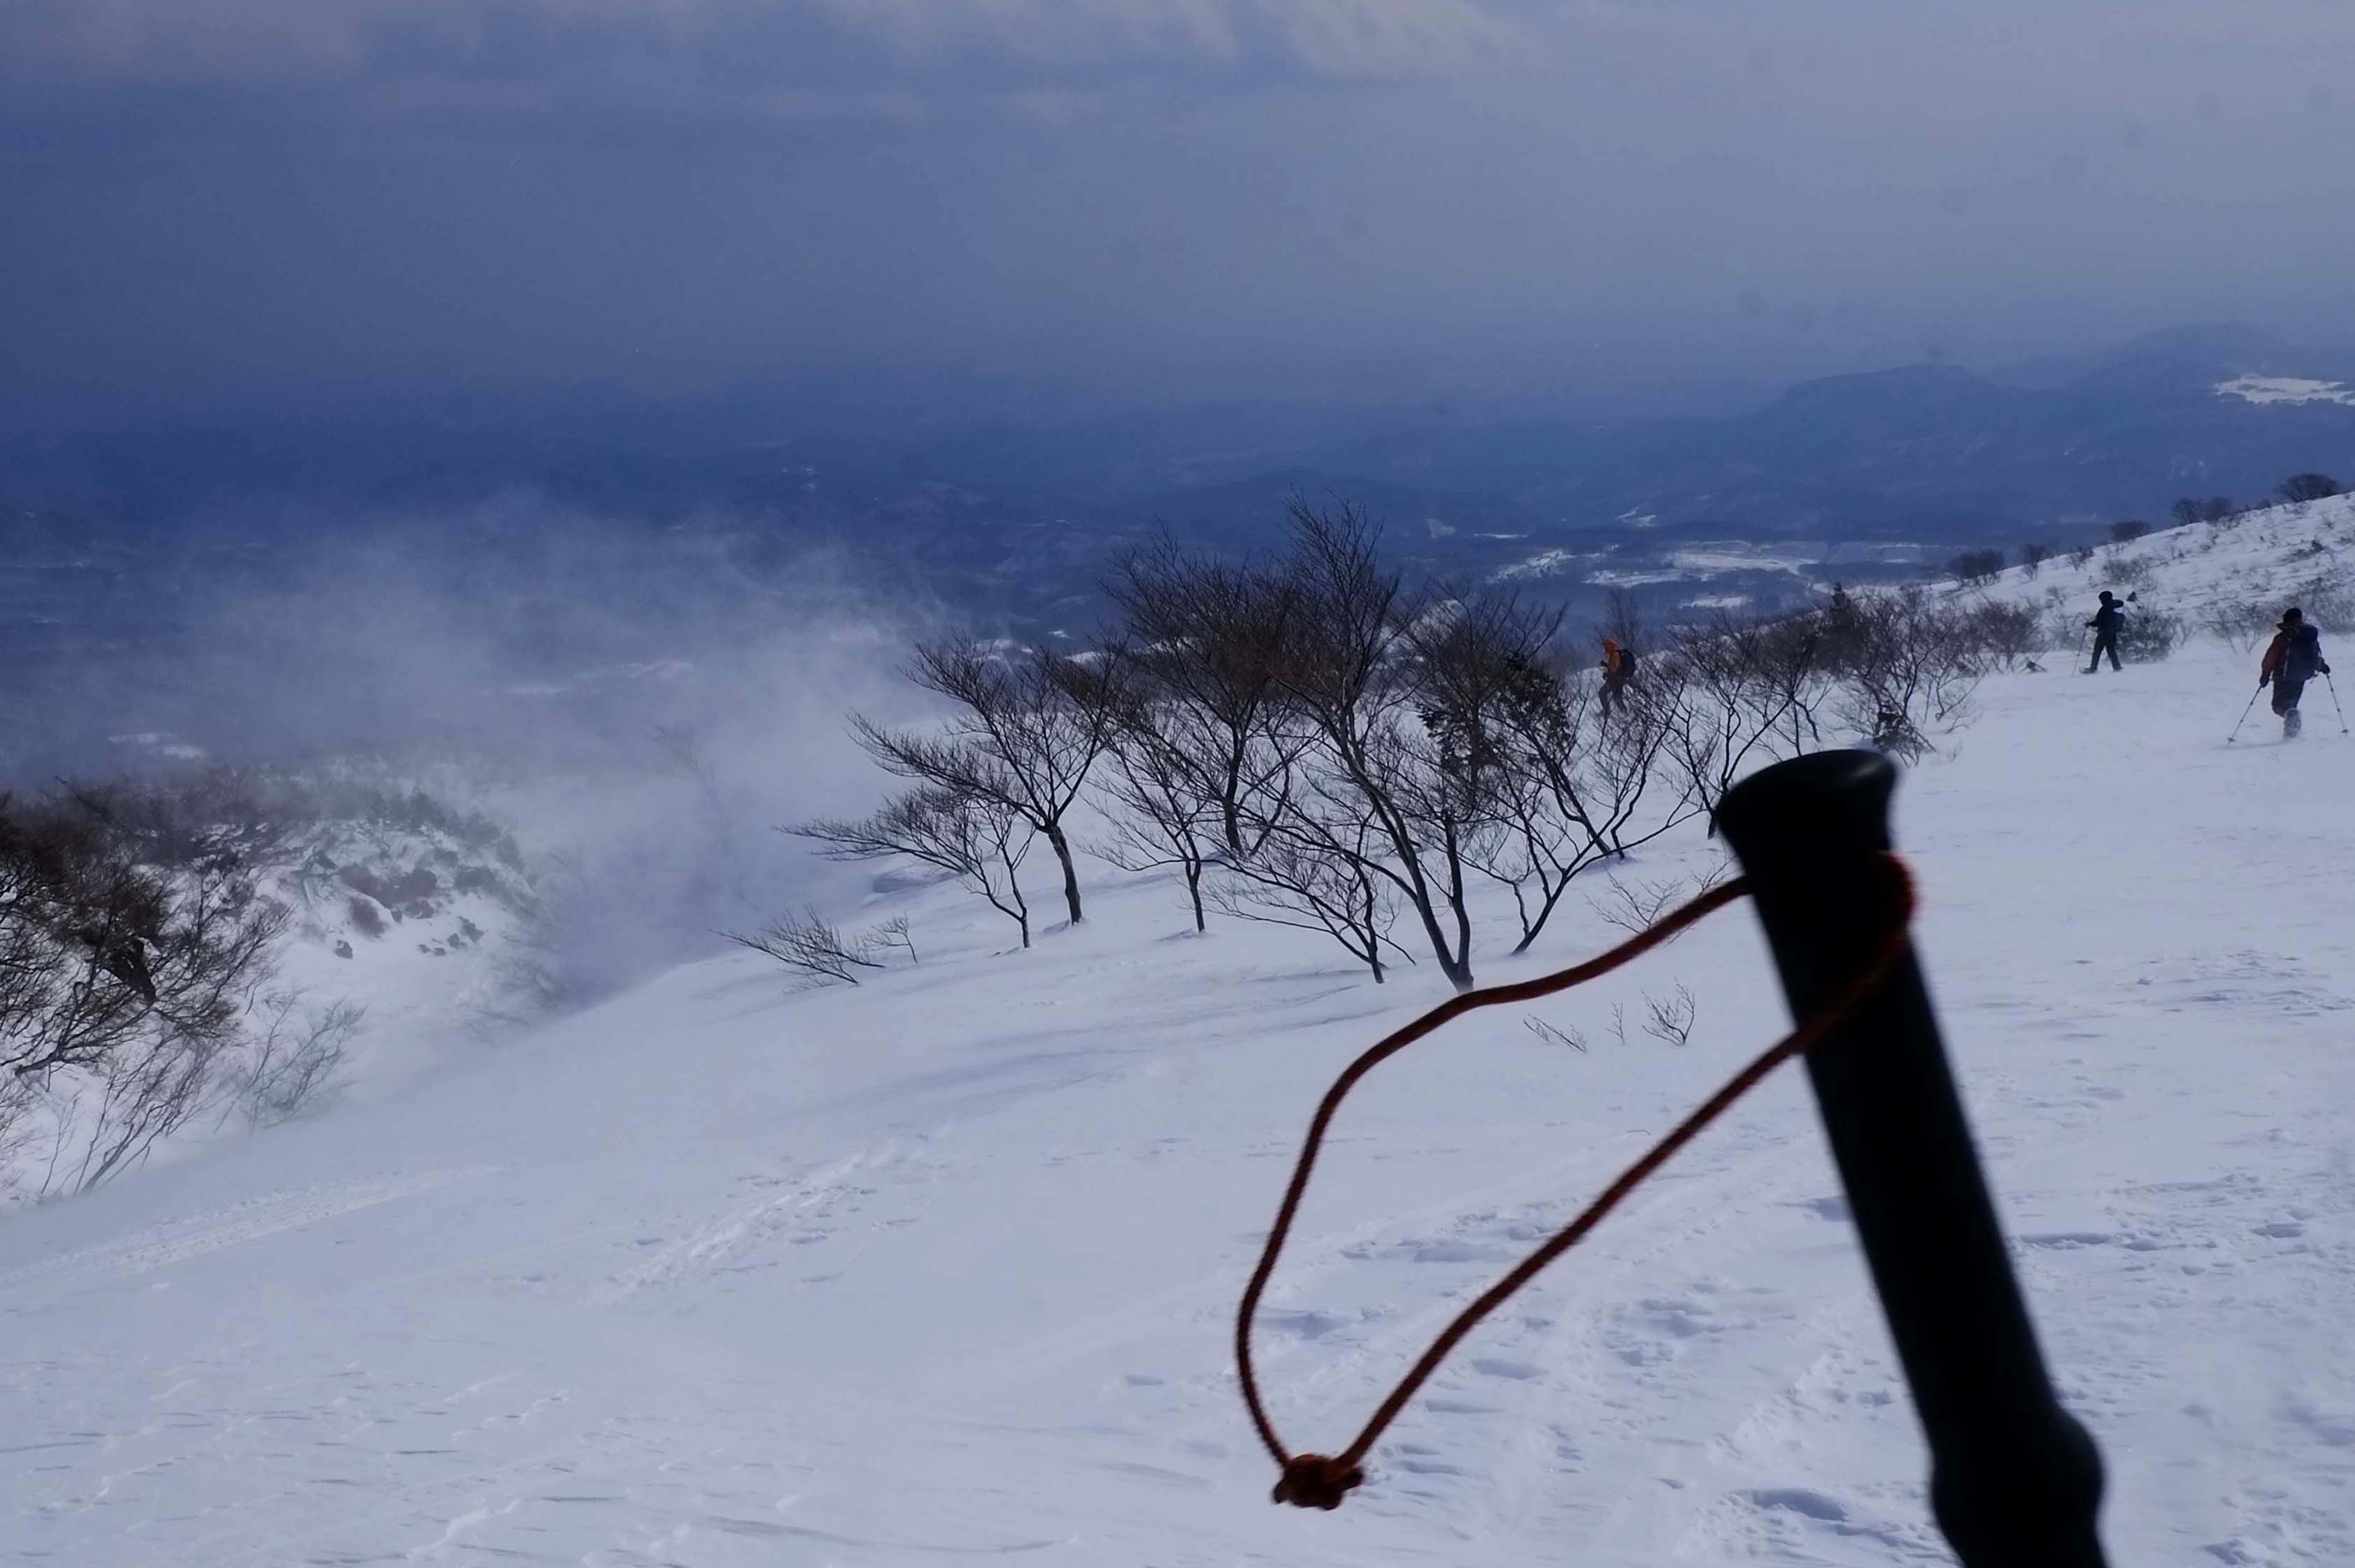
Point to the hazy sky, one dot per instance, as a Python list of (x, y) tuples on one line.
[(210, 200)]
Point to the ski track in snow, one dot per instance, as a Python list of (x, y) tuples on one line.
[(942, 1268)]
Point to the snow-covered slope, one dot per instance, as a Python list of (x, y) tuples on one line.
[(942, 1267), (2262, 560)]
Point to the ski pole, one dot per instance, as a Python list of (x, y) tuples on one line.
[(2334, 701), (2252, 708), (2014, 1479)]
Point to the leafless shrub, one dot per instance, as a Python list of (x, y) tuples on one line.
[(2136, 573), (977, 839), (1908, 670), (2240, 624), (1975, 566), (2033, 554), (2081, 556), (1749, 689), (2150, 634), (289, 1064), (2006, 635), (2309, 487), (894, 933), (2328, 604), (1670, 1018), (2127, 530), (1634, 907), (809, 945), (1546, 1032)]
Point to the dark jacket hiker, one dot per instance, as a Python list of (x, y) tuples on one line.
[(2105, 623), (2293, 658)]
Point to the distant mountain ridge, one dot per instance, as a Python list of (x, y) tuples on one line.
[(562, 533), (1926, 449)]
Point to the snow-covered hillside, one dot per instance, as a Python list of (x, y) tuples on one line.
[(2253, 564), (721, 1273)]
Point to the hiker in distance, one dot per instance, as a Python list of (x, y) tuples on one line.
[(2105, 623), (2293, 658), (1619, 669)]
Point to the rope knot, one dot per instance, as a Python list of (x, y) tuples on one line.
[(1312, 1481)]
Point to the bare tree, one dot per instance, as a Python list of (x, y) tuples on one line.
[(1751, 689), (156, 1084), (1316, 873), (1403, 707), (289, 1064), (2309, 487), (1164, 804), (1623, 622), (1975, 566), (1025, 731), (1913, 670), (978, 839), (1578, 791), (2035, 553), (78, 921), (1204, 640), (810, 946), (127, 959), (104, 943)]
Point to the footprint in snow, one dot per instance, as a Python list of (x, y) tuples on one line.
[(1801, 1501), (1506, 1366)]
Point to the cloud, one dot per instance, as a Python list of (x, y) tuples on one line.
[(834, 50), (216, 195)]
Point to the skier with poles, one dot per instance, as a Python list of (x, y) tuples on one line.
[(1619, 669), (2105, 623), (2293, 657)]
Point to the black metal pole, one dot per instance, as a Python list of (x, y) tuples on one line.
[(2014, 1481)]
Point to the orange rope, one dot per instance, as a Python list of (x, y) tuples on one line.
[(1315, 1480)]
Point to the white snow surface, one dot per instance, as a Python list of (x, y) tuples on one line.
[(2270, 558), (941, 1268), (2285, 389)]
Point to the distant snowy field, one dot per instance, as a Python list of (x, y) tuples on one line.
[(942, 1267)]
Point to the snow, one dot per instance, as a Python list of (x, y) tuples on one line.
[(1708, 559), (2283, 389), (725, 1273), (1545, 563), (2271, 557)]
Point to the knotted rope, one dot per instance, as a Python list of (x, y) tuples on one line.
[(1316, 1480)]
